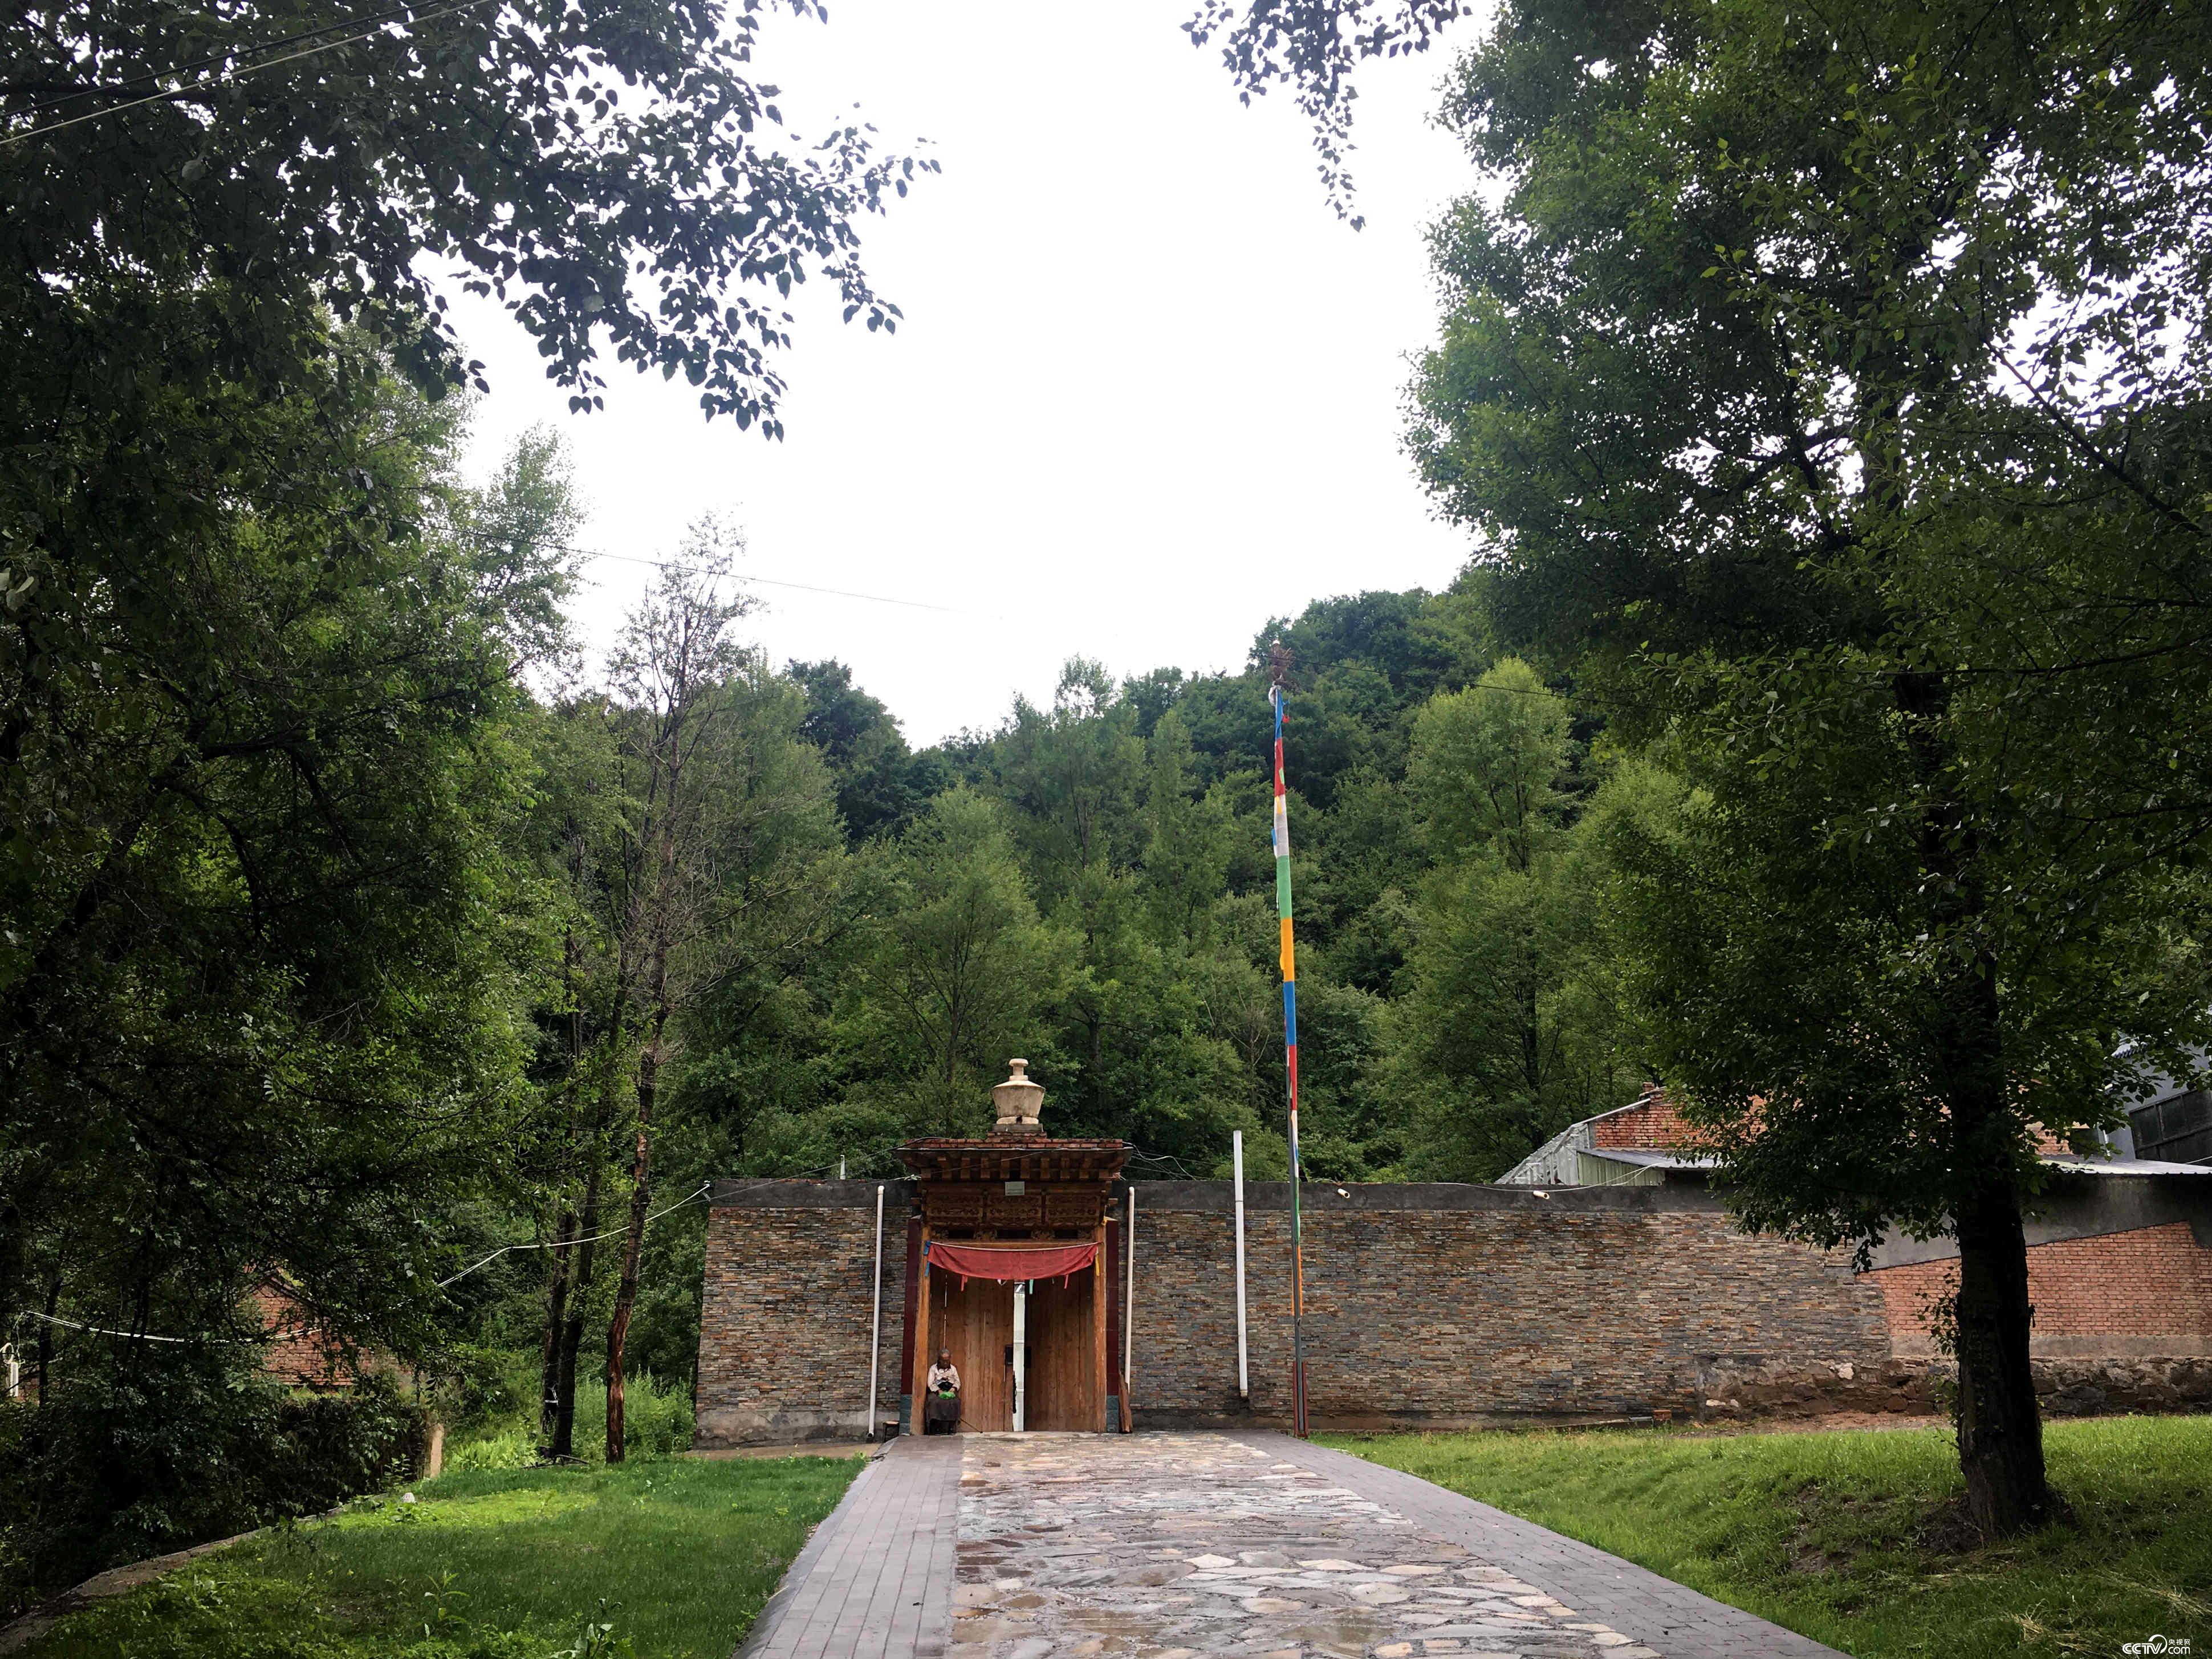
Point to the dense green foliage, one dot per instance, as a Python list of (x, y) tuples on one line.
[(278, 943), (130, 1466), (1857, 1539), (1834, 401), (1891, 539), (1092, 889), (667, 1558)]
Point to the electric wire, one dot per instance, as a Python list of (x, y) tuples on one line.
[(911, 605), (138, 1336), (705, 1187), (236, 75), (769, 581), (232, 54)]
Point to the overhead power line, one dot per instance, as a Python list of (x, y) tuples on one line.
[(230, 55), (770, 582), (377, 23), (911, 605), (138, 1336), (564, 1243)]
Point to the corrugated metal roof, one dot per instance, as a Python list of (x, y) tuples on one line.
[(2123, 1166), (1649, 1159)]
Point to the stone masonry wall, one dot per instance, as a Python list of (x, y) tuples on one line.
[(1434, 1306), (1442, 1306), (783, 1327)]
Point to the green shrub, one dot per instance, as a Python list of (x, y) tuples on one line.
[(479, 1386), (657, 1422), (156, 1452)]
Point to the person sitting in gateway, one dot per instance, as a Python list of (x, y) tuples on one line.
[(941, 1395)]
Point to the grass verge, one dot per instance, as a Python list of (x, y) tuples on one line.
[(658, 1417), (1857, 1539), (658, 1559)]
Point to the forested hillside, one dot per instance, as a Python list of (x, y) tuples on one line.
[(869, 931), (1100, 867)]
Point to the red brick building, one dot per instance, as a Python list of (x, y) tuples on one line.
[(2119, 1259)]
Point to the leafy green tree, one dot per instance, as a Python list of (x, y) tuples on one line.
[(580, 809), (1129, 859), (1486, 767), (187, 204), (265, 960), (1187, 836), (257, 651), (955, 967), (720, 882), (881, 784), (1506, 1034), (1834, 397), (530, 508), (1369, 862), (616, 177), (1073, 777)]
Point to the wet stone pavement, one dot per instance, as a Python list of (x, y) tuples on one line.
[(1177, 1545)]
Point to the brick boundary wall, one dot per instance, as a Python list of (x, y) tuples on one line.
[(1442, 1306), (298, 1355), (2122, 1320)]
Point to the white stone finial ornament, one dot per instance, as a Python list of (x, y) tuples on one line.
[(1019, 1100)]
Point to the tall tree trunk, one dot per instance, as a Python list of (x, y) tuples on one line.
[(572, 1336), (641, 1197), (565, 1233), (47, 1336), (1097, 1062), (565, 1230), (2000, 1425)]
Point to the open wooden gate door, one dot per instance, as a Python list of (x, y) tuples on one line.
[(1015, 1207)]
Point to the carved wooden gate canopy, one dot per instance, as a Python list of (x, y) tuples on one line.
[(1005, 1187)]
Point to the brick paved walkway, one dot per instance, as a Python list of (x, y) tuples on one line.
[(1189, 1545), (875, 1581)]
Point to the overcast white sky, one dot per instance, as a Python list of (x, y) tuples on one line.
[(1148, 393)]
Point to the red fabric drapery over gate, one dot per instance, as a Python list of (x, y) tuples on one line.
[(980, 1262)]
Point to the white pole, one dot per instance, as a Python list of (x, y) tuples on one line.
[(876, 1322), (1021, 1353), (1243, 1368), (840, 1167), (1129, 1295)]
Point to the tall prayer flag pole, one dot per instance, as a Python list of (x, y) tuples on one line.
[(1289, 1059)]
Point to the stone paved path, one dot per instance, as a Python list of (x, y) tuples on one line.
[(1180, 1546)]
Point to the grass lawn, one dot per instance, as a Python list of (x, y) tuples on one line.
[(676, 1557), (1855, 1538)]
